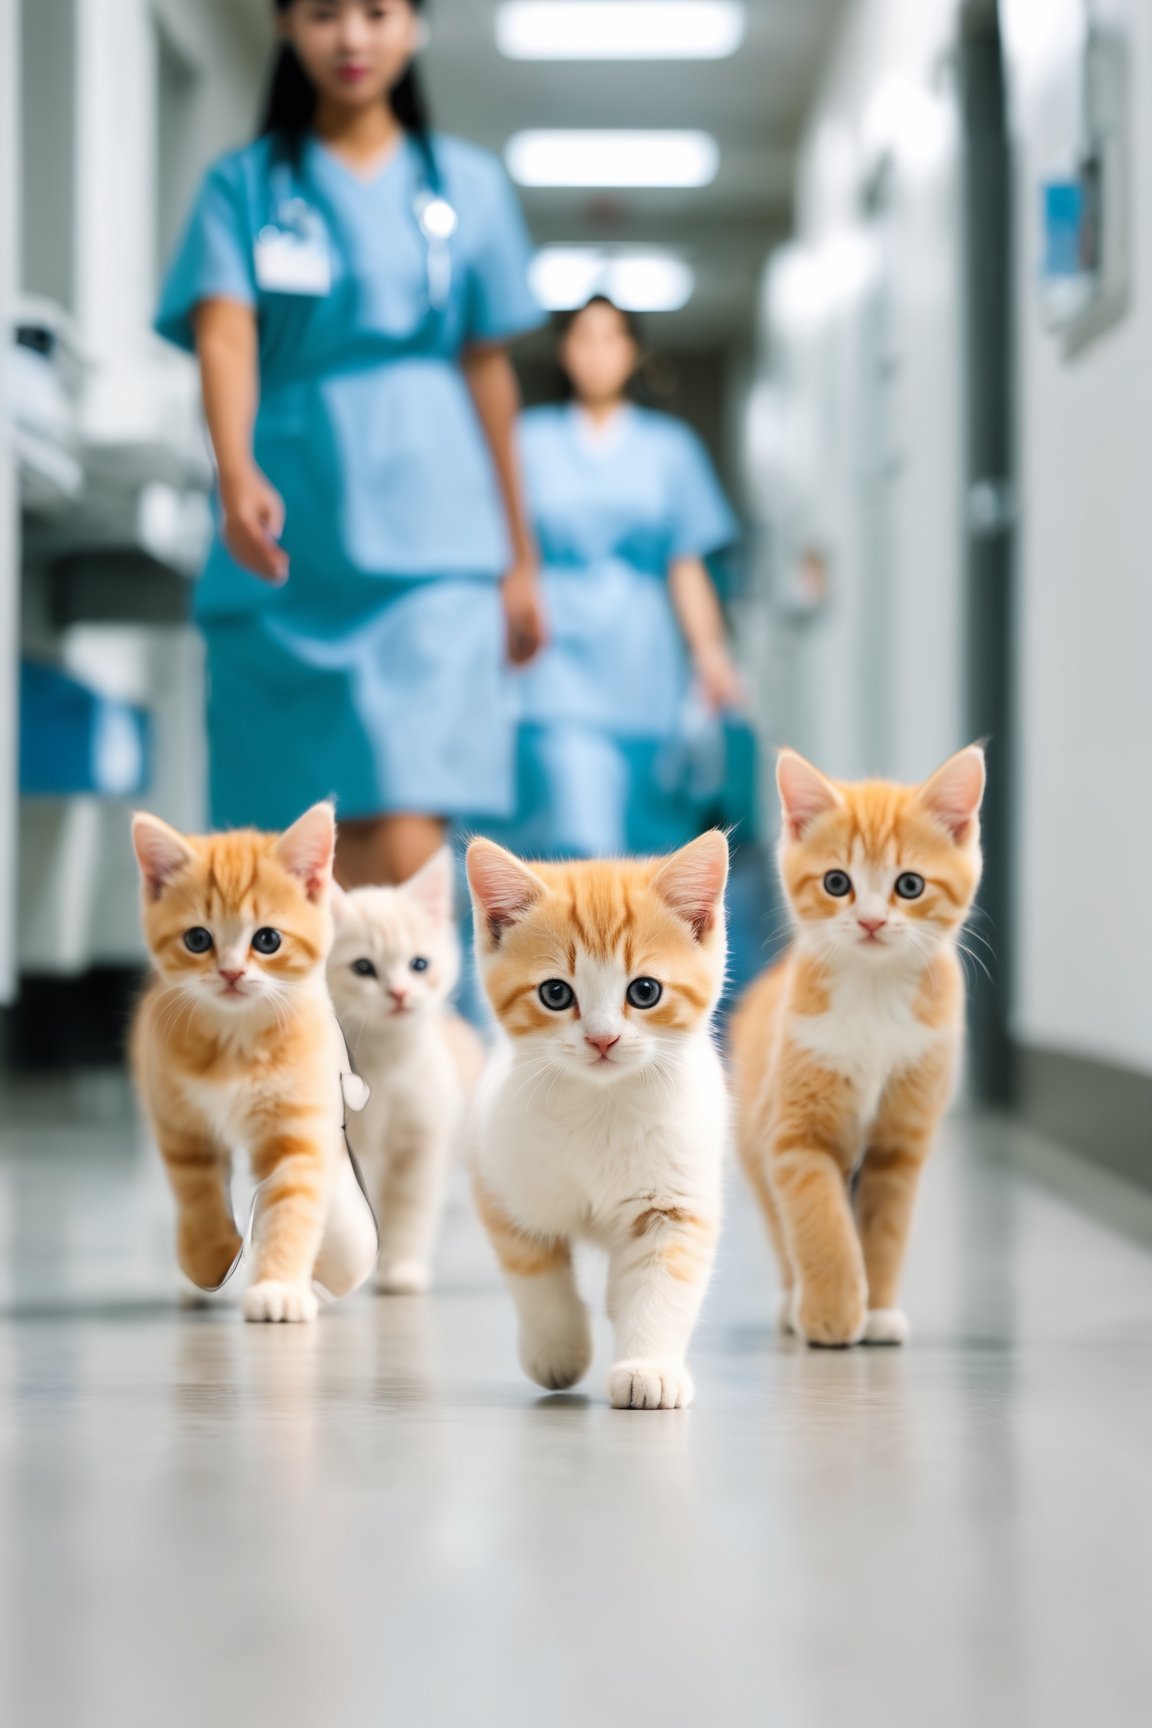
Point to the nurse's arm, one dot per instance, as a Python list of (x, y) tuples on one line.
[(496, 394), (226, 346), (697, 606)]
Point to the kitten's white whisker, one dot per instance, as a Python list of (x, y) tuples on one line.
[(184, 1011), (977, 959), (978, 936)]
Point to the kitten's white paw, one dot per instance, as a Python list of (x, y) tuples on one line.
[(650, 1386), (886, 1326), (270, 1300), (403, 1278), (557, 1359), (784, 1323)]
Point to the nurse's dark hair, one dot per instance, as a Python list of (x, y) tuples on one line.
[(564, 321), (291, 101)]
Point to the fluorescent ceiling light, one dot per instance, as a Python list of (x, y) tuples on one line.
[(619, 29), (563, 277), (612, 158)]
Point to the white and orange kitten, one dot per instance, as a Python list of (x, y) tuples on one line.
[(235, 1048), (603, 1115), (845, 1051), (393, 966)]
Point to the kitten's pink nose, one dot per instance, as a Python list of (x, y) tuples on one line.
[(230, 977), (399, 997), (871, 924), (603, 1044)]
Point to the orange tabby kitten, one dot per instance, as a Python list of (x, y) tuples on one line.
[(603, 1114), (236, 1045), (845, 1051)]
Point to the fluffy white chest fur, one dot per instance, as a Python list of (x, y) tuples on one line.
[(229, 1106), (570, 1158), (405, 1138), (870, 1030), (634, 1167), (414, 1084)]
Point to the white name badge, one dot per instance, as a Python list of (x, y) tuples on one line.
[(292, 263)]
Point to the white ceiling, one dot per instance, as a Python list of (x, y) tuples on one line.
[(754, 104)]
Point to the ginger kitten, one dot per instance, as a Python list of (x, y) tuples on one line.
[(603, 1115), (845, 1052), (391, 972), (236, 1045)]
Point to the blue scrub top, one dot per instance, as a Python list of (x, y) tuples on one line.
[(610, 513), (365, 424)]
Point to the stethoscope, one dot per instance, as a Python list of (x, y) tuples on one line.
[(434, 216)]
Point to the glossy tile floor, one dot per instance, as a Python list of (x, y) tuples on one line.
[(377, 1520)]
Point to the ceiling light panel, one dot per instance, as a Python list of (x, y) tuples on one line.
[(619, 29), (564, 277), (589, 158)]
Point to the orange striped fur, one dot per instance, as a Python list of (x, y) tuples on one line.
[(237, 1049), (603, 908), (845, 1051)]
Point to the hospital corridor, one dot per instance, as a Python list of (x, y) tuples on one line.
[(575, 966)]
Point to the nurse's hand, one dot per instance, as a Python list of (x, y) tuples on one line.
[(719, 679), (524, 619), (253, 523)]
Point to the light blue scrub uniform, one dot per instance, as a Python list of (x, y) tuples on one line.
[(601, 747), (376, 673)]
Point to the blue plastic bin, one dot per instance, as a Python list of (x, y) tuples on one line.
[(74, 740)]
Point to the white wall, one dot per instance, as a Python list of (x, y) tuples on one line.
[(225, 47), (864, 339), (1083, 912), (120, 204), (91, 122)]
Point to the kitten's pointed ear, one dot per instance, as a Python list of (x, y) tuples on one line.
[(431, 887), (307, 848), (804, 792), (503, 889), (693, 880), (161, 853), (954, 793)]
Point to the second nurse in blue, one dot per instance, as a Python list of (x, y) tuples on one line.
[(349, 282), (626, 508)]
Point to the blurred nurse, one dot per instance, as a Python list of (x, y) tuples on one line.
[(349, 282), (626, 507)]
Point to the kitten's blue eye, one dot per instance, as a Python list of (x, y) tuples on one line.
[(419, 964), (557, 995), (266, 941), (909, 886), (363, 968), (644, 992), (837, 883), (198, 940)]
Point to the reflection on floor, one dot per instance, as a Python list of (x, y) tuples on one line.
[(377, 1520)]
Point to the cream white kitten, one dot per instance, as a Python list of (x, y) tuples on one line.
[(603, 1116), (394, 964)]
